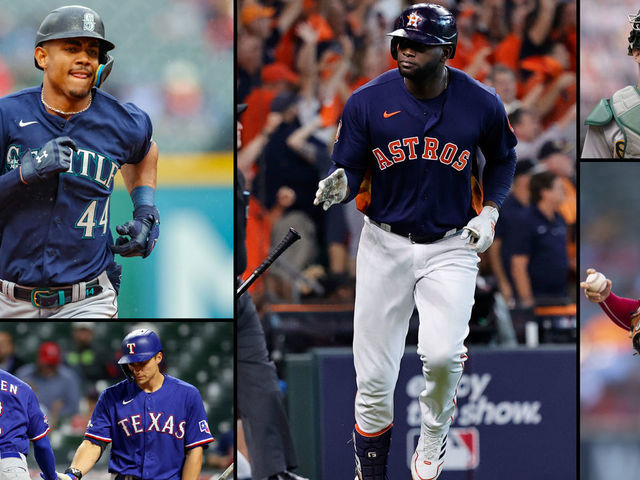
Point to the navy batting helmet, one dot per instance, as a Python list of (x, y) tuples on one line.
[(425, 23), (75, 21)]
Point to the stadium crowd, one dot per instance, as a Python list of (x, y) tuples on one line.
[(299, 60)]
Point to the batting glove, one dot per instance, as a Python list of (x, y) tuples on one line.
[(54, 157), (332, 189), (61, 476), (144, 231), (480, 229)]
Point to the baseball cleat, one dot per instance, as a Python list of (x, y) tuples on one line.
[(426, 463)]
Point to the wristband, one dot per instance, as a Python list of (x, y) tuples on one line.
[(77, 474), (143, 195)]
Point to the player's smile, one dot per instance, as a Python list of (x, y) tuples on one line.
[(81, 74)]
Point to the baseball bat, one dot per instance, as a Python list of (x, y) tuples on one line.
[(286, 242), (226, 473)]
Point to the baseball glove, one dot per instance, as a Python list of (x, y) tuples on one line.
[(634, 333)]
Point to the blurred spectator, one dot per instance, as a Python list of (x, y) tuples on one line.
[(249, 64), (56, 386), (539, 265), (89, 358), (532, 136), (277, 78), (502, 248), (553, 156), (80, 421), (473, 50), (503, 79), (8, 360), (222, 454), (286, 188)]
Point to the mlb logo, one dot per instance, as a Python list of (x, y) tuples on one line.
[(463, 449), (204, 427), (1, 409)]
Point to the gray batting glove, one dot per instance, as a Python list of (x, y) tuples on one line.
[(53, 158), (332, 189), (481, 229)]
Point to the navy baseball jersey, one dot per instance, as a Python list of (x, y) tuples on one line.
[(21, 419), (57, 232), (149, 432), (415, 162)]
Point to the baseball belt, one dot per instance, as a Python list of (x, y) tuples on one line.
[(10, 455), (47, 297), (412, 236)]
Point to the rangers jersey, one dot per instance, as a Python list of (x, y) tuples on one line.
[(149, 432)]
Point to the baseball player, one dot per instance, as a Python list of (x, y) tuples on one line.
[(156, 424), (21, 421), (612, 130), (62, 144), (408, 143)]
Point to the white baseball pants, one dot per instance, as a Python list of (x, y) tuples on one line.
[(393, 275)]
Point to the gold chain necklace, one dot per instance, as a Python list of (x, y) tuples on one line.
[(60, 111)]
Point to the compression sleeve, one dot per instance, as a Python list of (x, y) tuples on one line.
[(619, 310), (44, 456)]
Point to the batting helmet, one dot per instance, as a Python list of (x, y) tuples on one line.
[(425, 23), (634, 36), (75, 21), (138, 346)]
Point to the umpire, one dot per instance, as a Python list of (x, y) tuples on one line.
[(265, 424)]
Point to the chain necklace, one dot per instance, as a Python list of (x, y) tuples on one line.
[(60, 111)]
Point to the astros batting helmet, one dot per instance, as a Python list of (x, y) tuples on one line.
[(75, 21), (425, 23), (634, 36), (138, 346)]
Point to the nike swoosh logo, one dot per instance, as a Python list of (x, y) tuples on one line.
[(24, 124), (387, 115), (124, 402)]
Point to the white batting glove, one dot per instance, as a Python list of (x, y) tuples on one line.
[(480, 229), (332, 189)]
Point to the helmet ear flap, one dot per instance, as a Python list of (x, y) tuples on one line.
[(104, 69), (127, 372), (394, 48)]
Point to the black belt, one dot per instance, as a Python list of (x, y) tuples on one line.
[(412, 236), (119, 476), (47, 297)]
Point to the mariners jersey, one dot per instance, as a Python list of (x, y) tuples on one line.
[(149, 432), (57, 232), (415, 162), (21, 419)]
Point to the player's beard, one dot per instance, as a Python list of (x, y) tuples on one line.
[(424, 74), (79, 93)]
